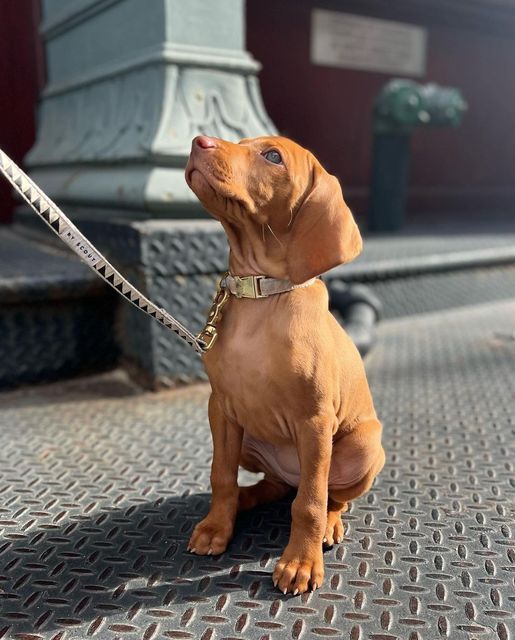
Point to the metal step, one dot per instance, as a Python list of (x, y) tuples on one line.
[(423, 272), (56, 317), (101, 487)]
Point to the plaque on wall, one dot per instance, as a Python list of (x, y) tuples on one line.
[(350, 41)]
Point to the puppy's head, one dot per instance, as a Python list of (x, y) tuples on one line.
[(274, 181)]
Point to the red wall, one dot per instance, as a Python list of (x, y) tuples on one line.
[(20, 79), (329, 110)]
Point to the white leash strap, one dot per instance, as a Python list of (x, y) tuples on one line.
[(70, 235)]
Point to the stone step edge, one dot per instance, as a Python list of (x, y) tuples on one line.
[(421, 265), (76, 280), (366, 271)]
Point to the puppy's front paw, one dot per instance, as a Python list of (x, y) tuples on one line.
[(297, 571), (210, 537)]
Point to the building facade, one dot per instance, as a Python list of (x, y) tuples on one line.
[(469, 44)]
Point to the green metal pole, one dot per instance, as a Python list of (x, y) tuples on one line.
[(389, 182), (402, 106)]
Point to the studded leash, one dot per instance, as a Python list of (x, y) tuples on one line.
[(50, 213)]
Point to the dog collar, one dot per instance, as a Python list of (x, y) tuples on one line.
[(259, 286)]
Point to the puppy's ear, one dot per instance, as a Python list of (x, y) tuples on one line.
[(324, 233)]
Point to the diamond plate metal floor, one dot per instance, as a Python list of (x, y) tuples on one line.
[(100, 487)]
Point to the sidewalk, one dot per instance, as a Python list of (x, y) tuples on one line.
[(101, 485)]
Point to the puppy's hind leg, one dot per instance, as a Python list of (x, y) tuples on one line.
[(357, 455), (266, 490), (358, 458), (334, 527)]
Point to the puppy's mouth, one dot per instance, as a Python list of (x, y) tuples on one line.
[(189, 174), (212, 192), (196, 180)]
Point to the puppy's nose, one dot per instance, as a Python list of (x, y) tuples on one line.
[(204, 142)]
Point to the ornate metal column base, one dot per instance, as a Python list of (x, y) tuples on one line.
[(130, 83)]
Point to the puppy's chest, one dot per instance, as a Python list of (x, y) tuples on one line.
[(240, 366), (246, 350), (253, 389)]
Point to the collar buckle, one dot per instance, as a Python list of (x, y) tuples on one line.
[(247, 286)]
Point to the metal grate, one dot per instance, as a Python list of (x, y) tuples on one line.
[(101, 487), (428, 292)]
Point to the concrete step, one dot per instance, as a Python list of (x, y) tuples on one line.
[(56, 317)]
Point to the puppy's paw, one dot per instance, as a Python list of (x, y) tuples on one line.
[(210, 537), (333, 529), (299, 572)]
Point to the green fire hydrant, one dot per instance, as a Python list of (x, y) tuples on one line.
[(402, 106)]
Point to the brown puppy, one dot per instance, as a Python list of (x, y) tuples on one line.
[(289, 396)]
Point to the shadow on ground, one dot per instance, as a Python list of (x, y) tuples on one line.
[(124, 560)]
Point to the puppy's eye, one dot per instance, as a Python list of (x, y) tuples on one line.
[(273, 156)]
